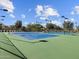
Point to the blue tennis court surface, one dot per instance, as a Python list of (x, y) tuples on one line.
[(34, 35)]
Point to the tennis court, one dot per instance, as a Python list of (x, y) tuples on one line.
[(61, 47)]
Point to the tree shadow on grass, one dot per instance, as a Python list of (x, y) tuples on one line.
[(13, 53), (6, 43)]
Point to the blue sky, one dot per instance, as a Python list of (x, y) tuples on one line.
[(30, 11)]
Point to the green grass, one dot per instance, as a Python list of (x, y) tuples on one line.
[(61, 47)]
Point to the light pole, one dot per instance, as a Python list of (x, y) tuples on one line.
[(76, 26), (2, 18)]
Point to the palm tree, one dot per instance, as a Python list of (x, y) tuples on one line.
[(64, 17), (64, 22), (4, 10)]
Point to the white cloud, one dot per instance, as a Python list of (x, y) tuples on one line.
[(76, 10), (11, 15), (72, 19), (7, 4), (46, 11), (23, 16), (50, 12), (57, 22), (72, 13), (43, 18), (39, 10), (43, 24), (25, 23)]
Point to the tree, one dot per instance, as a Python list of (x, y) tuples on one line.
[(12, 27), (78, 28), (0, 26), (24, 29), (18, 24), (6, 28), (58, 28), (50, 26), (68, 25), (34, 27)]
